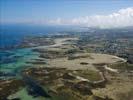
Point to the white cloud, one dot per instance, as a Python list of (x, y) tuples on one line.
[(56, 21), (122, 18)]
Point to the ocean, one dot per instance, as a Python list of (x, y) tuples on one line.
[(11, 35), (13, 60)]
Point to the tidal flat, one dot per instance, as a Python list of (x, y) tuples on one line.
[(61, 67)]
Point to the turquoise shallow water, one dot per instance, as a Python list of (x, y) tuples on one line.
[(16, 66), (23, 95), (20, 56)]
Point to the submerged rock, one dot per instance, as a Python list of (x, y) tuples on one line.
[(8, 87), (34, 88), (7, 74)]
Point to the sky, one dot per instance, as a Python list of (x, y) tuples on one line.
[(99, 13)]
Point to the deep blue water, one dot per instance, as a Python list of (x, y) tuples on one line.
[(11, 35)]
